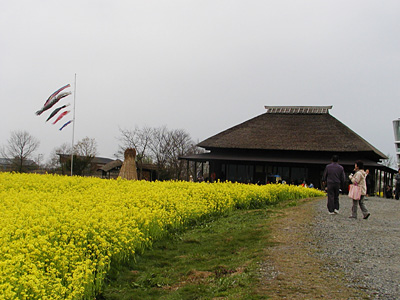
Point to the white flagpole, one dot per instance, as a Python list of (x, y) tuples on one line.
[(73, 131)]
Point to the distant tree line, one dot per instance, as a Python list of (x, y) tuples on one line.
[(161, 147), (158, 146)]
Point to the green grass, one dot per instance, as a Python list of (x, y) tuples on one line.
[(216, 259)]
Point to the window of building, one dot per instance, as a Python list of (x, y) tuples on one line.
[(240, 173)]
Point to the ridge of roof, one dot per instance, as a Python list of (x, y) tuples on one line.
[(298, 109)]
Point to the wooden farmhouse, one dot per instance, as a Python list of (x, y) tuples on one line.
[(286, 143)]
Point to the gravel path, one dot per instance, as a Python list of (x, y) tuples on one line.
[(367, 251)]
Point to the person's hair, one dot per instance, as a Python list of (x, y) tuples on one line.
[(360, 164), (335, 158)]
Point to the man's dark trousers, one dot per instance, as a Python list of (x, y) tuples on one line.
[(333, 196), (397, 192)]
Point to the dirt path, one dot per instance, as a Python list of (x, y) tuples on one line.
[(292, 270)]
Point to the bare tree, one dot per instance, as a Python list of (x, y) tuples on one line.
[(19, 149), (180, 143), (54, 164), (137, 138), (86, 147), (167, 146), (84, 152), (160, 146)]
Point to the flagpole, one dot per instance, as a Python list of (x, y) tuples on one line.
[(73, 130)]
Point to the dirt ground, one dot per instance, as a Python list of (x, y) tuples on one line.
[(291, 271)]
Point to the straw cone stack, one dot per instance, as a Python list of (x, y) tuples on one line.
[(128, 169)]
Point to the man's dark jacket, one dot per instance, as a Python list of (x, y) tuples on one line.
[(334, 173)]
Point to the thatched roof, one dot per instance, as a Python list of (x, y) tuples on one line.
[(293, 129), (111, 165)]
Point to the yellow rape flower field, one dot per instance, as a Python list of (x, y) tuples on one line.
[(59, 235)]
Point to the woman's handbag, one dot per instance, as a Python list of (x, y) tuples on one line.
[(355, 191)]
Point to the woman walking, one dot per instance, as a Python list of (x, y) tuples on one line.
[(359, 179)]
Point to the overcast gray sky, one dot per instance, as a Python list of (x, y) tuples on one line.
[(203, 66)]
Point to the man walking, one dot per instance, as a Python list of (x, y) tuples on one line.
[(334, 178), (397, 187)]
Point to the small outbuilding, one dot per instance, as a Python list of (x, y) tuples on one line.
[(111, 169)]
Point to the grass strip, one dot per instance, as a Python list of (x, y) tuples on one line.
[(216, 259)]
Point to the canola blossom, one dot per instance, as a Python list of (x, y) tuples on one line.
[(59, 235)]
